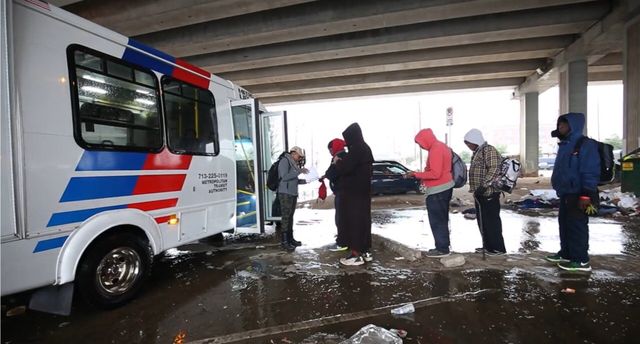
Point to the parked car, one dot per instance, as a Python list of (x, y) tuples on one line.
[(388, 178), (546, 163)]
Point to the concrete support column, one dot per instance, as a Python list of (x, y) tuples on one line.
[(631, 114), (573, 88), (529, 134)]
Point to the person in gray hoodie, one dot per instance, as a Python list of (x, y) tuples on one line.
[(289, 168)]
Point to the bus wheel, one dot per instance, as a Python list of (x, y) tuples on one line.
[(113, 270)]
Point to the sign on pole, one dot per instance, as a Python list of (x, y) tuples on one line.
[(449, 116)]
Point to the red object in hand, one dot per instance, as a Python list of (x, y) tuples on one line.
[(322, 191)]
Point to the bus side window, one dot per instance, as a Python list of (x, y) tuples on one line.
[(116, 104), (190, 111)]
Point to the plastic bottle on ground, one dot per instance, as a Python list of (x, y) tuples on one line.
[(404, 309)]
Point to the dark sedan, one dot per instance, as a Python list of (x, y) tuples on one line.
[(388, 178)]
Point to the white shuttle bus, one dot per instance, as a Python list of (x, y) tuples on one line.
[(113, 152)]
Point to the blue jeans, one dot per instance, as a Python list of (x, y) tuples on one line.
[(574, 230), (438, 211)]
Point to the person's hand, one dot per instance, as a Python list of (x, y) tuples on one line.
[(584, 202), (305, 170), (409, 174)]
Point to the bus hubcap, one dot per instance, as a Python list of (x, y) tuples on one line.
[(118, 270)]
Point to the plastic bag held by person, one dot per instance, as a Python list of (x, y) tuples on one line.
[(322, 191)]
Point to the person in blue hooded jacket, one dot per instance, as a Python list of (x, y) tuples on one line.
[(575, 178)]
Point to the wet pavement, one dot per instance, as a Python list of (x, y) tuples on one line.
[(229, 294)]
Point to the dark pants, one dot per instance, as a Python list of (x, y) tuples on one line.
[(489, 222), (340, 239), (574, 230), (287, 208), (438, 211)]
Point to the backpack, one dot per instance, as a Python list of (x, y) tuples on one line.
[(273, 179), (509, 172), (458, 170), (607, 161)]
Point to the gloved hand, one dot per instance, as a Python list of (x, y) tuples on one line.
[(584, 202)]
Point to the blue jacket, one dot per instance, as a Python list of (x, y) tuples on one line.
[(576, 173)]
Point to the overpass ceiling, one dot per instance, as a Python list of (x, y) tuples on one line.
[(297, 50)]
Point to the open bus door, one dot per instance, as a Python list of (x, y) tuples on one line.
[(259, 138)]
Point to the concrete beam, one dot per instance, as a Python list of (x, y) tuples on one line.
[(614, 58), (499, 27), (495, 70), (478, 84), (605, 76), (415, 59), (602, 38), (326, 18), (605, 69), (132, 18)]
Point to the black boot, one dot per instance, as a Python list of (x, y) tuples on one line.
[(292, 241), (284, 243)]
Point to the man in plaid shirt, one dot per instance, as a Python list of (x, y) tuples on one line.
[(485, 167)]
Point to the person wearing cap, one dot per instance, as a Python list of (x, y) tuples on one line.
[(438, 181), (336, 149), (485, 167), (289, 168), (575, 177)]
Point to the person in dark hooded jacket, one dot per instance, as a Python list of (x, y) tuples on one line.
[(354, 209), (575, 178)]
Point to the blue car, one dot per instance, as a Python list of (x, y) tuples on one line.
[(388, 178)]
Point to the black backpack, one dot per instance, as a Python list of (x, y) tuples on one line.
[(607, 161), (458, 170), (273, 180)]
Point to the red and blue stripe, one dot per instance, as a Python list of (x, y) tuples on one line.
[(100, 187), (166, 64)]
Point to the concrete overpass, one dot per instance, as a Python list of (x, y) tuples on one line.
[(300, 50)]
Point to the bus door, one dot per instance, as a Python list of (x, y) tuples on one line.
[(273, 131), (259, 138)]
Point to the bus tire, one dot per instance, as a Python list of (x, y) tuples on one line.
[(113, 270)]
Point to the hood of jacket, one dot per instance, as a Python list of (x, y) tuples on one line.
[(353, 134), (576, 123), (336, 146), (425, 138)]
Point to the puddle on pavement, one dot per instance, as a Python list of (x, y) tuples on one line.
[(522, 234)]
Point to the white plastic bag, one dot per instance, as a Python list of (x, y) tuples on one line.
[(372, 334)]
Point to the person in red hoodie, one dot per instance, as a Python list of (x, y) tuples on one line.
[(438, 180)]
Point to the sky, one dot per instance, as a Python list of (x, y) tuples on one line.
[(390, 123)]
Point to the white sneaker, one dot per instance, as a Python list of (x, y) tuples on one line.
[(367, 256), (352, 260)]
